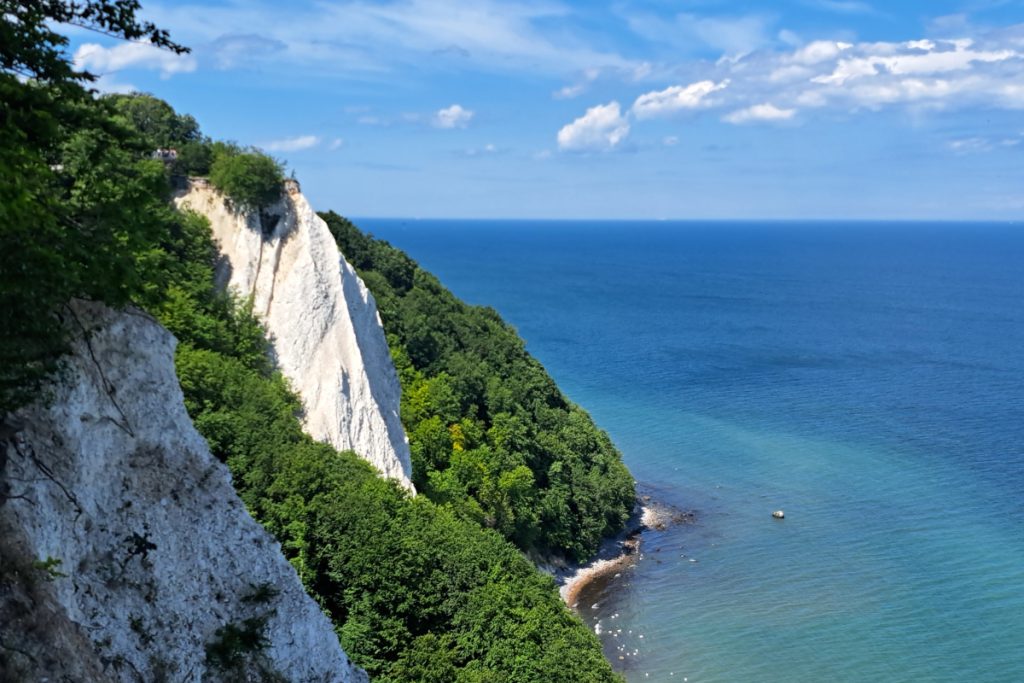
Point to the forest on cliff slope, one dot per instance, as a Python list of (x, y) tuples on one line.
[(418, 590), (492, 436)]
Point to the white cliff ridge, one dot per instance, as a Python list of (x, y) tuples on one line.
[(323, 322), (125, 553)]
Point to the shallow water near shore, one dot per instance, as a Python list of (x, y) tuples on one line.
[(866, 378)]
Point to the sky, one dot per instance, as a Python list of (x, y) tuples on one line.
[(692, 109)]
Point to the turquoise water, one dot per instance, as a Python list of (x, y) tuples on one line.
[(866, 378)]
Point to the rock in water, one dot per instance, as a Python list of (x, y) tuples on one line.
[(779, 514), (123, 545), (322, 320)]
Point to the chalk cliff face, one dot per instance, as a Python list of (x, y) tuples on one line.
[(160, 566), (322, 320)]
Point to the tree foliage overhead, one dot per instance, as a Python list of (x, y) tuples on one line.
[(30, 47), (156, 121), (163, 128), (491, 435), (80, 202)]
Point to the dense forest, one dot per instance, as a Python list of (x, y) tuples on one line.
[(492, 436), (416, 588), (418, 594)]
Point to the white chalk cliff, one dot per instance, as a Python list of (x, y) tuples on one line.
[(156, 551), (323, 322)]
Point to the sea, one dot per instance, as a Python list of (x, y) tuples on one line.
[(865, 378)]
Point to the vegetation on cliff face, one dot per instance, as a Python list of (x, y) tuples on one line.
[(251, 179), (416, 591), (492, 437), (81, 204)]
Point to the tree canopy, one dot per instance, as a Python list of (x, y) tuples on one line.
[(248, 177), (492, 437), (31, 47), (80, 203), (417, 590), (155, 120)]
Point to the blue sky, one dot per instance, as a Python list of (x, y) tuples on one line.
[(631, 109)]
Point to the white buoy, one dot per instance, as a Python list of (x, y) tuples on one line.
[(779, 514)]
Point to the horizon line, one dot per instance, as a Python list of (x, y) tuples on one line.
[(998, 221)]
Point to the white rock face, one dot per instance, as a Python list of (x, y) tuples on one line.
[(157, 550), (322, 320)]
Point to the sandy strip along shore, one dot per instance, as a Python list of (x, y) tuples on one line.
[(619, 552)]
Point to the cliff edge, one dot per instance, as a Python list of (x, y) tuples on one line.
[(322, 321), (125, 553)]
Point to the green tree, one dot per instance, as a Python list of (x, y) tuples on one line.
[(249, 178), (155, 120), (30, 47), (491, 435), (161, 127), (450, 601), (79, 205)]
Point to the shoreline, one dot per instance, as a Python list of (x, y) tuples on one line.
[(619, 552), (575, 583)]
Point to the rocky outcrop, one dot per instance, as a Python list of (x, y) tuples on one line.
[(125, 553), (322, 320)]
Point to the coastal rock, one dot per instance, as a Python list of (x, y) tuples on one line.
[(322, 321), (125, 553)]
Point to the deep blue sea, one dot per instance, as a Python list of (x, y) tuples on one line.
[(867, 378)]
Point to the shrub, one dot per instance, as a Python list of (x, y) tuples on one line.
[(250, 178)]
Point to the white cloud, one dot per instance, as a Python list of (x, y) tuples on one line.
[(295, 144), (732, 35), (915, 57), (789, 38), (235, 50), (986, 70), (670, 141), (642, 71), (602, 128), (790, 72), (726, 34), (847, 69), (759, 112), (819, 51), (102, 60), (873, 95), (923, 75), (569, 91), (488, 149), (586, 77), (110, 84), (336, 143), (675, 98), (969, 145), (455, 116), (369, 37)]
